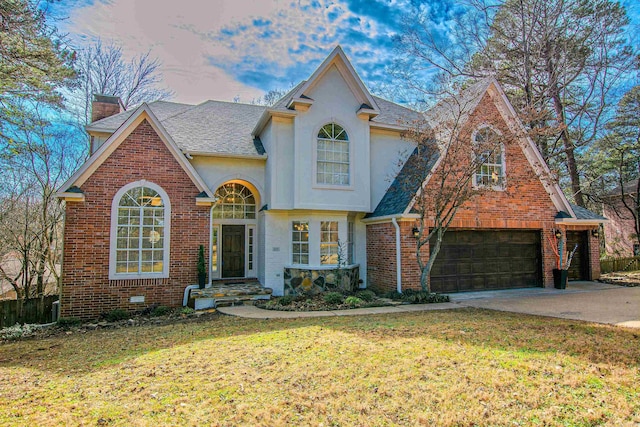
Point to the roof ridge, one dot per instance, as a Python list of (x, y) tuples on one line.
[(244, 104), (395, 103)]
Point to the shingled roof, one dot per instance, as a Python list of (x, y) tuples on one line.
[(406, 183), (582, 213), (211, 127)]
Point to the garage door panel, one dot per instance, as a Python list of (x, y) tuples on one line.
[(485, 251), (482, 260), (463, 268)]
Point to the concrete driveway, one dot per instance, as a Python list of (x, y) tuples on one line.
[(588, 301)]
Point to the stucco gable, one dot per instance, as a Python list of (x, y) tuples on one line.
[(338, 59), (139, 116)]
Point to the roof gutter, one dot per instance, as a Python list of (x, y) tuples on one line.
[(572, 221), (190, 154), (398, 257)]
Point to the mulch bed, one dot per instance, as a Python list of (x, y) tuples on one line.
[(317, 303)]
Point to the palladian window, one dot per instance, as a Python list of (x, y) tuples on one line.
[(235, 201), (333, 155), (141, 232)]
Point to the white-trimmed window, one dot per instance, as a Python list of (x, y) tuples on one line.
[(140, 225), (215, 233), (235, 201), (332, 155), (251, 243), (350, 242), (490, 159), (300, 242), (329, 242)]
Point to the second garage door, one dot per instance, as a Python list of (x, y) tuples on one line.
[(484, 260)]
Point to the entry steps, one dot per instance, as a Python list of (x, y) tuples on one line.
[(228, 294)]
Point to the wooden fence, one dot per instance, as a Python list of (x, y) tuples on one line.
[(620, 264), (10, 311)]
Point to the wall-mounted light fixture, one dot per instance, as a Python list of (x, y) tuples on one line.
[(595, 233), (558, 233), (416, 232)]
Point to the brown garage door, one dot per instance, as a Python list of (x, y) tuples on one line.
[(483, 260)]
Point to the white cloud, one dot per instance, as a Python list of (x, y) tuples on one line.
[(185, 34)]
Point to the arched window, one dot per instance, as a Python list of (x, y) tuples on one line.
[(489, 158), (235, 201), (332, 155), (140, 232)]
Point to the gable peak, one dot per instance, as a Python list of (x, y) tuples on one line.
[(339, 59)]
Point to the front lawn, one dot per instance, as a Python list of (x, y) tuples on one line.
[(451, 368)]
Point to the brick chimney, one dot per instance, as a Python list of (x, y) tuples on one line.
[(105, 106)]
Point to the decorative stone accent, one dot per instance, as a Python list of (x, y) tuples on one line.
[(228, 293), (309, 281)]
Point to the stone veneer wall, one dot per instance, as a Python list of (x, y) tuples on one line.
[(311, 281), (87, 291)]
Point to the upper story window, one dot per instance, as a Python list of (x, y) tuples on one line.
[(140, 232), (490, 161), (235, 201), (333, 155)]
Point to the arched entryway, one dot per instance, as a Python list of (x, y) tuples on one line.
[(234, 231)]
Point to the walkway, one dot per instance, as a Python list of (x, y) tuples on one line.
[(253, 312), (588, 301)]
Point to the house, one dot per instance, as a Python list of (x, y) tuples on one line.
[(620, 232), (283, 194)]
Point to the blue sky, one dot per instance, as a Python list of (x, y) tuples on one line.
[(222, 49)]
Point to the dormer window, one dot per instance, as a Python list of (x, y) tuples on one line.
[(488, 148), (333, 155)]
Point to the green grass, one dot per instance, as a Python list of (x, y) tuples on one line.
[(450, 368)]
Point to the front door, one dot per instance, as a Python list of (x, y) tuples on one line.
[(233, 251), (579, 268)]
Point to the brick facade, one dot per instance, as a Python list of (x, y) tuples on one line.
[(524, 205), (105, 107), (87, 291)]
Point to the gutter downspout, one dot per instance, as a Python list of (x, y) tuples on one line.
[(398, 257)]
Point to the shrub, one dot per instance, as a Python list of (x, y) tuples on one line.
[(285, 300), (424, 297), (67, 322), (116, 314), (160, 310), (333, 298), (17, 331), (366, 295), (393, 295), (271, 304), (187, 310), (353, 301)]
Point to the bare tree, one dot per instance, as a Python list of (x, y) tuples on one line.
[(616, 162), (452, 171), (558, 61), (42, 156), (271, 97), (104, 70)]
